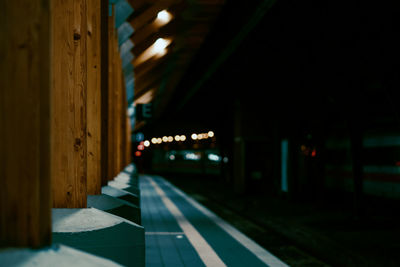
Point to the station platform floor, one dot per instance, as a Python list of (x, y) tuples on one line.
[(179, 231), (304, 232)]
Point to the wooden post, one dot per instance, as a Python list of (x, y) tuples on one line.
[(93, 98), (128, 141), (117, 103), (123, 115), (68, 153), (111, 122), (25, 202), (239, 167), (104, 92)]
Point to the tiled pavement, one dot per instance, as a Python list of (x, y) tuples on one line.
[(181, 232)]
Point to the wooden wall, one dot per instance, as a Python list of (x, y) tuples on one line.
[(24, 123)]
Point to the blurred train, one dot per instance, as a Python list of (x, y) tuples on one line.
[(308, 168), (381, 165), (194, 161)]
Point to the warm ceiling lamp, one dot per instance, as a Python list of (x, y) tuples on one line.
[(158, 49), (145, 98), (163, 17), (160, 45)]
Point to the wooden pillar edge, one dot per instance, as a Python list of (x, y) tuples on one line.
[(25, 204)]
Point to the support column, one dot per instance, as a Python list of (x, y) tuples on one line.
[(111, 104), (123, 115), (25, 202), (356, 146), (239, 171), (128, 141), (117, 103), (93, 98), (69, 84), (104, 92)]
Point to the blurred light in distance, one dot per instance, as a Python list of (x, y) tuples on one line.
[(147, 143), (170, 139), (164, 16), (165, 139), (194, 136), (160, 45), (159, 140), (177, 138), (210, 134), (131, 111), (140, 147), (154, 140), (313, 153), (145, 98), (139, 137), (172, 157), (225, 160), (183, 138), (138, 153), (192, 156), (157, 49), (214, 157)]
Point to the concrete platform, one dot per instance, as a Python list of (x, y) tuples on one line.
[(121, 184), (56, 255), (119, 193), (181, 232), (100, 233), (115, 206)]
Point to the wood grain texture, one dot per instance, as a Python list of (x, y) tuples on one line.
[(118, 108), (68, 112), (93, 97), (104, 92), (128, 141), (111, 87), (123, 114), (25, 203)]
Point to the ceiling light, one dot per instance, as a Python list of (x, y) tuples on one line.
[(160, 45), (145, 98), (164, 16)]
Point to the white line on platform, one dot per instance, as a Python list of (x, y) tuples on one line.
[(164, 233), (256, 249), (205, 251)]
